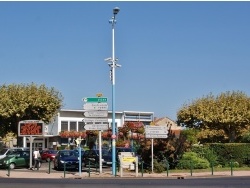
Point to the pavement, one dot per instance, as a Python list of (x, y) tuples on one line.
[(45, 174)]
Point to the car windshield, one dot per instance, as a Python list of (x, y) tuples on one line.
[(52, 152), (3, 151)]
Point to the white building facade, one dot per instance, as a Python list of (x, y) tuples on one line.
[(72, 120)]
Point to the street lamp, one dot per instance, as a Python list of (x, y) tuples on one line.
[(112, 64)]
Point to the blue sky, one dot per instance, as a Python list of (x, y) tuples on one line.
[(171, 52)]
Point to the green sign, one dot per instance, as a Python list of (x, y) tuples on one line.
[(95, 99)]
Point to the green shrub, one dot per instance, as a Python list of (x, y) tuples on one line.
[(192, 160), (159, 166)]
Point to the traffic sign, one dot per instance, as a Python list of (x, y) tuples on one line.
[(156, 131), (156, 135), (96, 124), (95, 120), (96, 113), (101, 126), (95, 99), (95, 106)]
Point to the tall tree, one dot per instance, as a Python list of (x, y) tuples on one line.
[(229, 111), (27, 102)]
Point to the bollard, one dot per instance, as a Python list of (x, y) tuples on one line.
[(212, 168), (38, 164), (64, 169), (49, 166), (167, 167), (89, 169), (231, 164), (116, 170), (8, 171), (142, 168), (191, 168)]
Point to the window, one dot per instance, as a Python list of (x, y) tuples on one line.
[(64, 125), (80, 126), (72, 126)]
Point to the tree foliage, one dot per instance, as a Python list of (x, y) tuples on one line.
[(25, 102), (229, 111)]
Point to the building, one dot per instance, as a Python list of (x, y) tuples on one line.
[(72, 120), (172, 125)]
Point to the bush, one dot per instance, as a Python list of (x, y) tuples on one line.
[(207, 153), (192, 160)]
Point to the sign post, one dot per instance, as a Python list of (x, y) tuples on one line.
[(31, 129), (96, 118), (155, 132)]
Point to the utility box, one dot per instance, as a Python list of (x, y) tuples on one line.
[(128, 161)]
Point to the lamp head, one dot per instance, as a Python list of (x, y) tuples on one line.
[(116, 10)]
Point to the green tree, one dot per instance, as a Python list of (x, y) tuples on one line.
[(229, 111), (25, 102)]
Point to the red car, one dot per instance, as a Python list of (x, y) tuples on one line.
[(48, 155)]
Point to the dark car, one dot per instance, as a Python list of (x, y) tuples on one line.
[(66, 158), (48, 155), (82, 152), (18, 159), (91, 157)]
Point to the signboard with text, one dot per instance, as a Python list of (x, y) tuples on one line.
[(31, 128), (156, 131)]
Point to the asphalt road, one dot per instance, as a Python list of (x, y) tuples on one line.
[(229, 182)]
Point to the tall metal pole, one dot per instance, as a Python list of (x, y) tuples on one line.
[(113, 65)]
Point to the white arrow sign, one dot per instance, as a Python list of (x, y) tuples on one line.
[(96, 114), (96, 126), (156, 135), (95, 106), (95, 120)]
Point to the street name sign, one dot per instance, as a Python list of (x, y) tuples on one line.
[(95, 106), (96, 113), (156, 131), (95, 99)]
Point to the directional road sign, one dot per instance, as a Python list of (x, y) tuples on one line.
[(95, 120), (95, 106), (156, 135), (96, 124), (95, 113), (95, 99), (101, 126), (156, 131)]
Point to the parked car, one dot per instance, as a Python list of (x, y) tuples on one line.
[(82, 152), (91, 157), (69, 158), (18, 159), (9, 151), (48, 155)]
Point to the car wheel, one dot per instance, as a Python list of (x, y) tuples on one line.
[(48, 159), (12, 165)]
